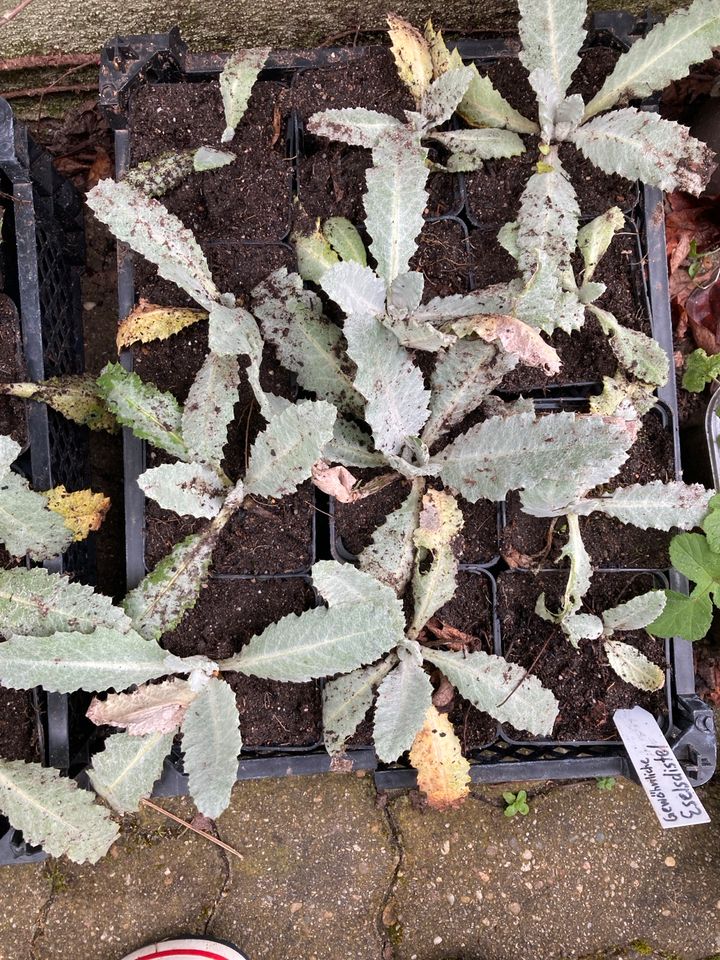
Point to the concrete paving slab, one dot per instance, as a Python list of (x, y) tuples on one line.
[(584, 871), (158, 880), (24, 892), (318, 859)]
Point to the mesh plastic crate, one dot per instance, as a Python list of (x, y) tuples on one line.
[(41, 258), (130, 61)]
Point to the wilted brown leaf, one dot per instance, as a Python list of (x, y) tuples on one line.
[(515, 336)]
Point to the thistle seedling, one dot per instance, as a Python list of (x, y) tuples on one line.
[(42, 525), (626, 141), (417, 547), (606, 783), (516, 803)]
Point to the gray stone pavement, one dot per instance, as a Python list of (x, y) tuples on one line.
[(326, 872)]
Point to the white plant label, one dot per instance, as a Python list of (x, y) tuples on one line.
[(662, 778)]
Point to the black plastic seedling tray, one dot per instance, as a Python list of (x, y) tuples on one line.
[(41, 256), (128, 62)]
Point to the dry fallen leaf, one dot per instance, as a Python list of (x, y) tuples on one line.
[(150, 321), (339, 483), (158, 708), (454, 638), (436, 754), (83, 511)]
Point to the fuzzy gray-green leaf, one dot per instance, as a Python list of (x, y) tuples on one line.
[(150, 413), (504, 690), (389, 556), (53, 812), (637, 353), (67, 661), (595, 237), (343, 583), (209, 408), (469, 149), (38, 603), (355, 125), (653, 506), (344, 237), (483, 106), (347, 699), (305, 341), (236, 82), (351, 447), (552, 34), (126, 771), (403, 700), (643, 146), (211, 745), (26, 523), (185, 488), (9, 452), (635, 614), (283, 454), (634, 667)]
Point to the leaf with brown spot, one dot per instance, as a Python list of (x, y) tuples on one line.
[(150, 321), (516, 337), (82, 510), (412, 56), (443, 772)]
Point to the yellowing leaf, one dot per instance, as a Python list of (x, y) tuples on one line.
[(516, 337), (149, 321), (412, 56), (440, 521), (443, 772), (439, 54), (82, 510)]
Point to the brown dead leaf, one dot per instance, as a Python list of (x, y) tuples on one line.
[(338, 482), (436, 754), (150, 321), (454, 638), (82, 510), (515, 559), (444, 695), (515, 336), (100, 169)]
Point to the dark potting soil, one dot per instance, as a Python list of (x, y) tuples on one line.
[(230, 612), (249, 199), (609, 542), (493, 193), (588, 690), (442, 258), (470, 610), (331, 176), (585, 355), (355, 523), (18, 726), (12, 369)]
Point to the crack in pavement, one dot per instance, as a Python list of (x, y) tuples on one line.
[(43, 914), (384, 803), (227, 877)]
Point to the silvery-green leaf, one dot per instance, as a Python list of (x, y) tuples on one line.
[(634, 667), (209, 409), (26, 523), (469, 149), (355, 289), (389, 556), (185, 488), (9, 452), (552, 33), (392, 385), (354, 125), (342, 583), (126, 771), (636, 352), (199, 669), (270, 405), (151, 230), (233, 332), (643, 146), (507, 238), (544, 304), (236, 82), (547, 222), (441, 310), (161, 599), (463, 376), (581, 626), (318, 643), (483, 106), (305, 341), (314, 255), (53, 812), (417, 334), (208, 158), (395, 201), (444, 94), (64, 662), (504, 690), (345, 240), (590, 292), (434, 578), (559, 115), (595, 237), (635, 614), (411, 471), (561, 452), (38, 603), (666, 53), (497, 407), (653, 506), (283, 454), (351, 447), (347, 699), (405, 293), (578, 584), (151, 414), (211, 744), (403, 699)]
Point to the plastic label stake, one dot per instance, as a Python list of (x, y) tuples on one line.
[(662, 778)]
